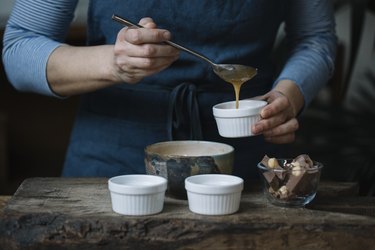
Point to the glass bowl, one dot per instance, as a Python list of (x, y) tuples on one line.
[(290, 187)]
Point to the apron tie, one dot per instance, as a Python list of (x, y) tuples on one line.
[(183, 114)]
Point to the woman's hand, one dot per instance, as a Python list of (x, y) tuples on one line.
[(278, 118), (139, 52)]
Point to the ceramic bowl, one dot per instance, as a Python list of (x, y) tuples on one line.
[(290, 188), (137, 194), (177, 160), (232, 122), (214, 194)]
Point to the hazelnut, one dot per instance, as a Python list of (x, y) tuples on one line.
[(297, 170), (273, 163), (283, 190)]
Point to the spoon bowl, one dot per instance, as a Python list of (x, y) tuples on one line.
[(234, 72)]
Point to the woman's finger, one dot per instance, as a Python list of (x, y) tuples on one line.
[(147, 22), (144, 35), (277, 104)]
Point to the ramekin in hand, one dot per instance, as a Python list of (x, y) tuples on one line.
[(232, 122)]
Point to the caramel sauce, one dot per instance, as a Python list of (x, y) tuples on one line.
[(237, 87), (237, 80)]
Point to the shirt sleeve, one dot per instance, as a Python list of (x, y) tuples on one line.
[(33, 31), (311, 38)]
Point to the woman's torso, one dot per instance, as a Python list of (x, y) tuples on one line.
[(115, 124)]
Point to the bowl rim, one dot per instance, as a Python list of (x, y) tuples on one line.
[(228, 184), (254, 108), (261, 166), (149, 148), (153, 184)]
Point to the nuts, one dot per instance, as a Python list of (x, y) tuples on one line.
[(283, 192), (289, 180), (297, 170), (273, 163)]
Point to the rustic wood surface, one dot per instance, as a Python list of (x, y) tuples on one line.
[(72, 213)]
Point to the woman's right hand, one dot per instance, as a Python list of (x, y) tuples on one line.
[(139, 52)]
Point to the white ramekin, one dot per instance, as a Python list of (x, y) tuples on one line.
[(137, 194), (232, 122), (214, 194)]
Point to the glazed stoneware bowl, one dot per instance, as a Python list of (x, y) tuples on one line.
[(177, 160)]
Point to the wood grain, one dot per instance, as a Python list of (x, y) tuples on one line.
[(74, 213)]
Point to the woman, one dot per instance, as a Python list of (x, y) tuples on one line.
[(136, 90)]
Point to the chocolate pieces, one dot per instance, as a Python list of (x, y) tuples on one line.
[(302, 184), (291, 179)]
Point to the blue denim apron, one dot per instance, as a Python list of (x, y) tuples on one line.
[(114, 125)]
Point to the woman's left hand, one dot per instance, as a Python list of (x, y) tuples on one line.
[(278, 122)]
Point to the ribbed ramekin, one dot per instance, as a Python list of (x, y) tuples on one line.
[(214, 194), (232, 122), (137, 194)]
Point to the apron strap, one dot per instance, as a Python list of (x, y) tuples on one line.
[(183, 113)]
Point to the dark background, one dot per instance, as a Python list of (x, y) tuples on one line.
[(337, 129)]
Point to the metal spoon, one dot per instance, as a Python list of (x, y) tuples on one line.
[(228, 72)]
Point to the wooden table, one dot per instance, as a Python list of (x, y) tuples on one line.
[(56, 213)]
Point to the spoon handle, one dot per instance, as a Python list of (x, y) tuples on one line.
[(177, 46)]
